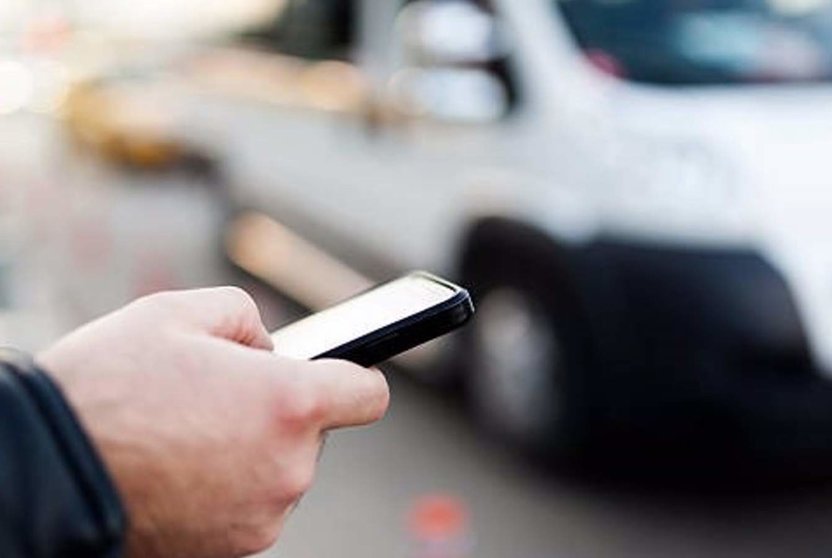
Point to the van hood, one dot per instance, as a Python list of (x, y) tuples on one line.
[(723, 109), (776, 139)]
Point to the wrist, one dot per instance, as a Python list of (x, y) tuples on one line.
[(93, 481)]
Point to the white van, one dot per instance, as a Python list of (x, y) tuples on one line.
[(639, 194)]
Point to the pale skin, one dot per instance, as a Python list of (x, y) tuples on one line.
[(211, 439)]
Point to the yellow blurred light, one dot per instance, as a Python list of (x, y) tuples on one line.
[(333, 85), (280, 258), (16, 86), (182, 18)]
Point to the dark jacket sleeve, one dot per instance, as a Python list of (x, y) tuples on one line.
[(56, 499)]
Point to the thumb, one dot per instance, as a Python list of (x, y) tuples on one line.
[(350, 394)]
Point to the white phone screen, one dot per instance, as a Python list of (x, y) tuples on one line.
[(359, 316)]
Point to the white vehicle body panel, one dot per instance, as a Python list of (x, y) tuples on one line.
[(585, 156)]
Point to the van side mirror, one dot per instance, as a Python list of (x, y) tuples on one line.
[(455, 32), (448, 48)]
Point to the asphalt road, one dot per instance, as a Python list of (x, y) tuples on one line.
[(84, 240)]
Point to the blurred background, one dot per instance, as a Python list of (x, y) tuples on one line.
[(637, 193)]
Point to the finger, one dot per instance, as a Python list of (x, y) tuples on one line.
[(226, 312), (350, 395), (326, 394)]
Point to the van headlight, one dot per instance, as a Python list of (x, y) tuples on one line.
[(677, 189)]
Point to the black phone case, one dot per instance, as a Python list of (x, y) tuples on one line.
[(387, 342)]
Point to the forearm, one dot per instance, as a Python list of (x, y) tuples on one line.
[(56, 499)]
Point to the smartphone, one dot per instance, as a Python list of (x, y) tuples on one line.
[(380, 323)]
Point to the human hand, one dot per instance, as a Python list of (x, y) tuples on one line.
[(210, 437)]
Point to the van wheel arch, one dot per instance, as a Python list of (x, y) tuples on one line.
[(501, 255), (495, 233)]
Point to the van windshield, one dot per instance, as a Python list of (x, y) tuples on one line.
[(705, 41)]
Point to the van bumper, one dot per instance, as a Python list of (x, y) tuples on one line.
[(700, 352)]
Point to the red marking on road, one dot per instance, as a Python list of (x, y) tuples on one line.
[(438, 517)]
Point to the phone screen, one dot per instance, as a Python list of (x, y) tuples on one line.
[(359, 316)]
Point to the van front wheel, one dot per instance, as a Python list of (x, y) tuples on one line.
[(523, 366)]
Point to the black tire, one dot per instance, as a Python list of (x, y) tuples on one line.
[(517, 278)]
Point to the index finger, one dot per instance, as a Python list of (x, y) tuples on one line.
[(350, 395), (226, 312)]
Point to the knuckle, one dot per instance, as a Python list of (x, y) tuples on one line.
[(300, 407), (298, 481), (239, 296), (246, 313), (163, 302)]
